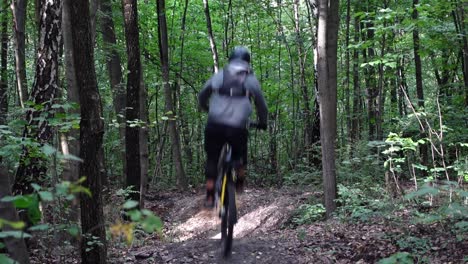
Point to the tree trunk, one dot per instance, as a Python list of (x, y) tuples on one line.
[(355, 123), (419, 83), (327, 82), (183, 120), (132, 131), (371, 85), (173, 132), (144, 135), (115, 72), (303, 84), (33, 169), (91, 135), (70, 143), (4, 67), (19, 19), (348, 72), (16, 246), (214, 51), (460, 24)]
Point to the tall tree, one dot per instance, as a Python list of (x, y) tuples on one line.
[(327, 82), (214, 50), (173, 131), (114, 70), (33, 169), (93, 240), (19, 26), (132, 131)]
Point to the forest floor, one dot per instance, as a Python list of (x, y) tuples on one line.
[(266, 234)]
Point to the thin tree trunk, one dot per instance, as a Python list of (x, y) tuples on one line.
[(355, 130), (45, 88), (327, 69), (348, 72), (4, 67), (460, 24), (418, 73), (114, 70), (173, 132), (144, 135), (19, 27), (132, 131), (70, 143), (183, 119), (214, 50), (91, 135), (303, 84)]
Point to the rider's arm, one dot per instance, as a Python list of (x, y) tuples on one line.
[(204, 95), (262, 111)]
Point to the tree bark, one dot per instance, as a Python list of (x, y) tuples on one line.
[(327, 82), (174, 134), (19, 27), (214, 50), (33, 169), (132, 131), (91, 135)]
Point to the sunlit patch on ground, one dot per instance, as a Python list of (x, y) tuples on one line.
[(251, 219)]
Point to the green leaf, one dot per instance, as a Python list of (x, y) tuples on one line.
[(135, 215), (14, 234), (20, 201), (48, 150), (16, 224), (152, 223), (73, 230), (130, 204), (42, 227), (6, 260), (46, 196)]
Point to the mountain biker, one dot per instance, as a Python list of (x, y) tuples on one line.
[(229, 109)]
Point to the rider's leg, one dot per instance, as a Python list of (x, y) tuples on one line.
[(238, 139), (214, 141)]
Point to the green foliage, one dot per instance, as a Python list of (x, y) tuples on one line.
[(398, 258), (417, 246), (355, 203), (308, 213)]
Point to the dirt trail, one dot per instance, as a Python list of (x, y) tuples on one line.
[(263, 234), (192, 233)]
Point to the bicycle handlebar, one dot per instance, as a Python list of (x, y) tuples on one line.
[(253, 124)]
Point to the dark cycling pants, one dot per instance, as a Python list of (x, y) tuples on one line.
[(216, 135)]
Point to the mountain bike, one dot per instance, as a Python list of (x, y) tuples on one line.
[(226, 196)]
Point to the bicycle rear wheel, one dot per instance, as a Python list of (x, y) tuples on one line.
[(228, 220)]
